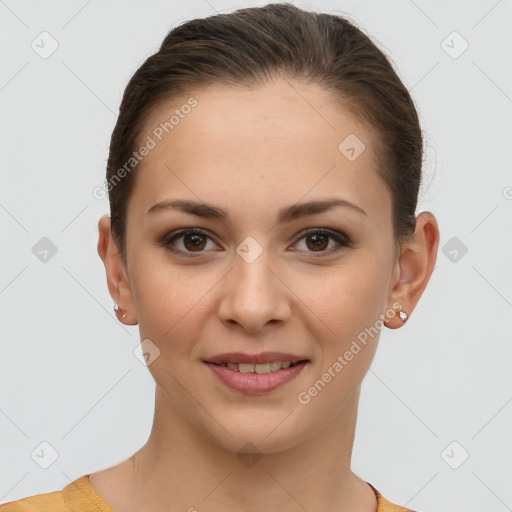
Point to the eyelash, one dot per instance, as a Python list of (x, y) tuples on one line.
[(340, 238)]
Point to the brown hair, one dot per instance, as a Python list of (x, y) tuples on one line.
[(251, 45)]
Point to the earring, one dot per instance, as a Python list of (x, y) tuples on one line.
[(115, 307), (403, 316)]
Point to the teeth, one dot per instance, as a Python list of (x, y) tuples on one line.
[(257, 368), (262, 368), (275, 365), (245, 367)]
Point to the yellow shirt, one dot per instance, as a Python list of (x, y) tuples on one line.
[(81, 496)]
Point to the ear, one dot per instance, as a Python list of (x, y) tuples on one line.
[(117, 274), (413, 268)]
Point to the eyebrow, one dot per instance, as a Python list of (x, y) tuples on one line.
[(286, 214)]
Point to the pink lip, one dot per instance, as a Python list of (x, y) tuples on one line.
[(263, 357), (256, 383)]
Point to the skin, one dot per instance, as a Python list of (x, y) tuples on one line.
[(251, 152)]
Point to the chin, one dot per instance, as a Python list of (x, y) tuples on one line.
[(255, 443), (257, 436)]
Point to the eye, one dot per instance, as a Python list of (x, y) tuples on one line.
[(194, 241), (317, 240)]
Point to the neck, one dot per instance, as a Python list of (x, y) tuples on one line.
[(181, 467)]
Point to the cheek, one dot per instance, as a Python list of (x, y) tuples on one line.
[(170, 299), (349, 303), (345, 299)]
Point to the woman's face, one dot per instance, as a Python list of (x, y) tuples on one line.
[(252, 282)]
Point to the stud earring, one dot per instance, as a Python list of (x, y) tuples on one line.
[(403, 316), (115, 307)]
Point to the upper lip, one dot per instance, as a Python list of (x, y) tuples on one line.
[(263, 357)]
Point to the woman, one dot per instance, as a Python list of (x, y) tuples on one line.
[(263, 179)]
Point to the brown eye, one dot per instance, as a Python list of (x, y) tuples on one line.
[(194, 241), (318, 240)]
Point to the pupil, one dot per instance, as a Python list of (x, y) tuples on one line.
[(319, 240), (196, 241)]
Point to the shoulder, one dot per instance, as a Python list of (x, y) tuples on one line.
[(74, 496), (48, 502), (384, 505)]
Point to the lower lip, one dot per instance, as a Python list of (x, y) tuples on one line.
[(256, 383)]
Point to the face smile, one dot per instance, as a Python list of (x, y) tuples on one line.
[(256, 254)]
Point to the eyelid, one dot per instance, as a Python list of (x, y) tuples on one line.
[(333, 233)]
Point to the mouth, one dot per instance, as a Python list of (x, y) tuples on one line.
[(257, 374)]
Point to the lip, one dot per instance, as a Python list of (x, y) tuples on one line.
[(256, 383), (261, 358)]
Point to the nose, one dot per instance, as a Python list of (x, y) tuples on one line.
[(254, 294)]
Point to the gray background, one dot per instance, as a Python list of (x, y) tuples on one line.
[(439, 388)]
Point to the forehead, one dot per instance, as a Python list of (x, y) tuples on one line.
[(274, 143)]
